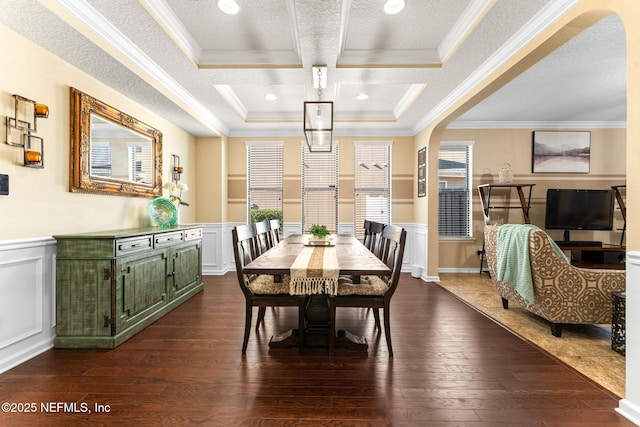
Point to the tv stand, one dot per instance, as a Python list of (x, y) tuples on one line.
[(583, 255), (578, 243)]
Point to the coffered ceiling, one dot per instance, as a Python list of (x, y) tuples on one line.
[(209, 72)]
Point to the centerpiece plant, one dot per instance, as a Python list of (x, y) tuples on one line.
[(319, 231)]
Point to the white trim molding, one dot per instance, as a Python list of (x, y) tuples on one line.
[(629, 407)]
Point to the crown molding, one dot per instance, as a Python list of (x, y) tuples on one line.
[(536, 125), (90, 23), (546, 17), (471, 16)]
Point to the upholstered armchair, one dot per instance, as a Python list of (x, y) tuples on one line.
[(563, 293)]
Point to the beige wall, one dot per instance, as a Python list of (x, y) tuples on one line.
[(211, 175), (494, 147), (402, 177), (39, 202)]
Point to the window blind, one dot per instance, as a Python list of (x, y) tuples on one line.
[(264, 181), (100, 161), (454, 182), (372, 184), (320, 188), (140, 161)]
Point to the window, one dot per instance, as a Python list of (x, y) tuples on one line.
[(372, 184), (100, 162), (454, 183), (264, 181), (139, 156), (319, 188)]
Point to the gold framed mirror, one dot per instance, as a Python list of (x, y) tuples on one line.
[(111, 152)]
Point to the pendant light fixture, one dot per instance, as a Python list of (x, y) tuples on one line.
[(318, 116)]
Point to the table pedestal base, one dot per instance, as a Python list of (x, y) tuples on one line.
[(316, 334), (285, 340), (345, 339)]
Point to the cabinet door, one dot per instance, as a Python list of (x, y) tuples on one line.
[(83, 298), (141, 287), (187, 266)]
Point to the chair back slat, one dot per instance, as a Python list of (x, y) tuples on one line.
[(275, 231), (244, 251), (392, 243), (245, 244), (372, 241), (263, 229)]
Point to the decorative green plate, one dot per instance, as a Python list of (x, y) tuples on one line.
[(163, 212)]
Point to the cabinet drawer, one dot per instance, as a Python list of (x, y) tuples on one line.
[(193, 234), (167, 239), (133, 245)]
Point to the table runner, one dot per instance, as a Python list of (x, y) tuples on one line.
[(315, 271)]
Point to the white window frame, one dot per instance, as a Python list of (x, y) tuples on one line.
[(364, 184), (468, 179), (329, 188), (274, 176)]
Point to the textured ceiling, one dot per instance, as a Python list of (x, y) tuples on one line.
[(209, 72)]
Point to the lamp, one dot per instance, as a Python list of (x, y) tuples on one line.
[(318, 117)]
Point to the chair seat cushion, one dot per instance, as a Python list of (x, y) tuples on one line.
[(264, 284), (369, 285)]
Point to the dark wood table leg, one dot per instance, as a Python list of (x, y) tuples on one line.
[(317, 315), (316, 333)]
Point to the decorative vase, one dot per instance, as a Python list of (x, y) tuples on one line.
[(162, 212), (506, 174)]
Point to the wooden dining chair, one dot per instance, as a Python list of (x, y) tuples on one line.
[(373, 241), (263, 241), (372, 234), (373, 292), (261, 290), (275, 231)]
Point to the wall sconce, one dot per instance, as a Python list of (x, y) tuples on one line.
[(33, 151), (20, 130), (176, 169)]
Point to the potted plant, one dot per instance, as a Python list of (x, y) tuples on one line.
[(320, 232)]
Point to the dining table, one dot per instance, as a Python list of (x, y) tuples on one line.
[(315, 267)]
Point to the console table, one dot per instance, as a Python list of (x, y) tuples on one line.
[(110, 285)]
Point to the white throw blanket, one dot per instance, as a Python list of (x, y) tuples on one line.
[(315, 271)]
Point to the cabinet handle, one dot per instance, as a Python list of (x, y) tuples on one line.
[(171, 274)]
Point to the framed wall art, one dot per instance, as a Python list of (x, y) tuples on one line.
[(422, 172), (561, 151)]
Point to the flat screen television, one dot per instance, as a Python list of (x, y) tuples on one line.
[(570, 209)]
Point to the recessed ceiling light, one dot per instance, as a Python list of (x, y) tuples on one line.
[(230, 7), (391, 7), (270, 97), (362, 96)]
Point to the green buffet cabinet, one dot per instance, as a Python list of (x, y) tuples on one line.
[(111, 285)]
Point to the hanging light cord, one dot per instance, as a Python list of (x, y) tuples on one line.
[(319, 84)]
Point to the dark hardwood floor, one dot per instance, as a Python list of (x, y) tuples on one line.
[(452, 366)]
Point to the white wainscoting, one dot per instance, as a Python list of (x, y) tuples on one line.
[(217, 249), (630, 405), (27, 299)]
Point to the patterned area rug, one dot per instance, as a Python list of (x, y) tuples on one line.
[(586, 348)]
